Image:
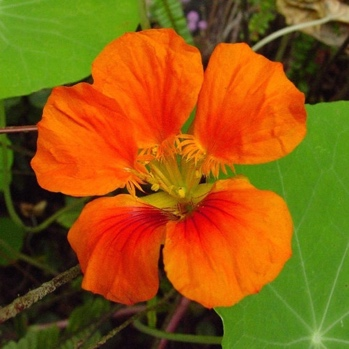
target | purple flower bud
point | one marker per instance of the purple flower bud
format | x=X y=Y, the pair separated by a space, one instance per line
x=193 y=16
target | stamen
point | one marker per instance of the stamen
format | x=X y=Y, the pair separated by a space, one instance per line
x=168 y=148
x=206 y=164
x=159 y=175
x=146 y=155
x=213 y=166
x=133 y=184
x=190 y=148
x=154 y=150
x=173 y=167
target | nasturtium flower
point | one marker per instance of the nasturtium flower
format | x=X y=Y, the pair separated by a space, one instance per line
x=220 y=239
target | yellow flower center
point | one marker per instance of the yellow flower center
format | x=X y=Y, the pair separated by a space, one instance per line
x=174 y=177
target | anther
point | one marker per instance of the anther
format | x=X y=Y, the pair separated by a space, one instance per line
x=155 y=187
x=154 y=150
x=181 y=192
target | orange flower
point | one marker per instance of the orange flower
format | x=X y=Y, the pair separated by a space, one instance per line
x=221 y=241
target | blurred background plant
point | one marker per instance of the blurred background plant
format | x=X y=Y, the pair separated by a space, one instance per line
x=34 y=222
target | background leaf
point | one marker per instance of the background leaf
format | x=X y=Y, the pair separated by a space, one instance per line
x=36 y=339
x=87 y=313
x=11 y=240
x=82 y=330
x=5 y=166
x=169 y=14
x=67 y=218
x=44 y=43
x=307 y=306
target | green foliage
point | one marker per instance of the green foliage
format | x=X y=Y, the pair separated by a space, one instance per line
x=82 y=327
x=36 y=339
x=307 y=306
x=301 y=67
x=85 y=314
x=52 y=42
x=67 y=218
x=6 y=160
x=81 y=331
x=83 y=340
x=264 y=12
x=11 y=240
x=44 y=45
x=169 y=14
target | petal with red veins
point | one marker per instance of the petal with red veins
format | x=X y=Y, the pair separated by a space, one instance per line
x=248 y=111
x=117 y=241
x=236 y=241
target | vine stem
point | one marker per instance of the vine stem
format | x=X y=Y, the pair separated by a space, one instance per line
x=177 y=337
x=290 y=29
x=5 y=164
x=13 y=255
x=133 y=319
x=33 y=296
x=55 y=215
x=175 y=319
x=6 y=189
x=15 y=129
x=118 y=314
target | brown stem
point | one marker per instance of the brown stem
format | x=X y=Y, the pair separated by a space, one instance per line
x=26 y=301
x=14 y=129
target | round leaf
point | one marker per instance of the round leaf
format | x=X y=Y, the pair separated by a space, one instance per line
x=307 y=306
x=44 y=43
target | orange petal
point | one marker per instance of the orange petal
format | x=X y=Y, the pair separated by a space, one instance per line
x=236 y=241
x=155 y=77
x=248 y=111
x=85 y=146
x=117 y=241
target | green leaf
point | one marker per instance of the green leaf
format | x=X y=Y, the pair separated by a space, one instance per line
x=36 y=339
x=67 y=218
x=6 y=160
x=11 y=240
x=307 y=306
x=82 y=329
x=85 y=339
x=259 y=22
x=44 y=43
x=87 y=313
x=169 y=14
